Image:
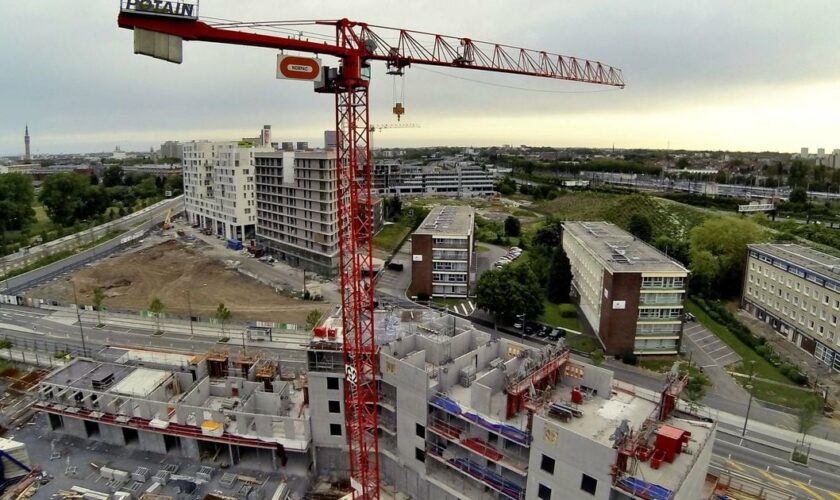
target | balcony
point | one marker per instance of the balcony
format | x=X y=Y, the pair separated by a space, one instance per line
x=456 y=434
x=508 y=488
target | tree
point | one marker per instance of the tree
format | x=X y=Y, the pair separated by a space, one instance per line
x=65 y=197
x=807 y=417
x=549 y=234
x=512 y=226
x=98 y=298
x=683 y=163
x=673 y=247
x=695 y=390
x=156 y=308
x=597 y=357
x=640 y=227
x=506 y=186
x=510 y=291
x=222 y=314
x=559 y=277
x=174 y=183
x=798 y=195
x=113 y=176
x=719 y=250
x=312 y=318
x=16 y=198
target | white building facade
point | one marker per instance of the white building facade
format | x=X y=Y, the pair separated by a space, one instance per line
x=796 y=290
x=219 y=187
x=297 y=208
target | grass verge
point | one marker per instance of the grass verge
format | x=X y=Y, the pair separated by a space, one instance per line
x=553 y=315
x=582 y=343
x=390 y=236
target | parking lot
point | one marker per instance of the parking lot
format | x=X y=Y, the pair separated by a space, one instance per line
x=706 y=341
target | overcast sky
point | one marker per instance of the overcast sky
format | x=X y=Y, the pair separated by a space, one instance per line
x=746 y=75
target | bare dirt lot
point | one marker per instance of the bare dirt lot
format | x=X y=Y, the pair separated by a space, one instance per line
x=167 y=271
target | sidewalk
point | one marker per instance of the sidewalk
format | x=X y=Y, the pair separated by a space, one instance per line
x=301 y=336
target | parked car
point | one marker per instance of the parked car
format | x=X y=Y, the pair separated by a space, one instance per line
x=689 y=317
x=557 y=333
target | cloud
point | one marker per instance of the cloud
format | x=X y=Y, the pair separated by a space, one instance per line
x=70 y=73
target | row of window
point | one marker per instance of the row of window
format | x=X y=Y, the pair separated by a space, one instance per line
x=663 y=282
x=806 y=290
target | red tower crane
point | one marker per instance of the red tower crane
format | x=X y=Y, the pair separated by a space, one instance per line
x=160 y=27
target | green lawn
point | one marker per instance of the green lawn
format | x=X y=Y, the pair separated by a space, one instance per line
x=790 y=396
x=583 y=343
x=552 y=315
x=447 y=302
x=390 y=236
x=662 y=365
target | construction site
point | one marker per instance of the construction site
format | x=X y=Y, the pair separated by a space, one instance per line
x=189 y=278
x=462 y=414
x=144 y=424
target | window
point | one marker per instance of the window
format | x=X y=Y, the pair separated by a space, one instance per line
x=332 y=383
x=334 y=406
x=588 y=484
x=544 y=492
x=547 y=464
x=420 y=454
x=335 y=429
x=420 y=430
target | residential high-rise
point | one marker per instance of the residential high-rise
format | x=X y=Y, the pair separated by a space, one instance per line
x=172 y=149
x=27 y=156
x=297 y=211
x=329 y=139
x=442 y=251
x=265 y=135
x=219 y=189
x=796 y=290
x=630 y=293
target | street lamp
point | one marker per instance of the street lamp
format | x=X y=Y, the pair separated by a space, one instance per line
x=79 y=318
x=749 y=388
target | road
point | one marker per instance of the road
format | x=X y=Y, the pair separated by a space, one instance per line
x=48 y=332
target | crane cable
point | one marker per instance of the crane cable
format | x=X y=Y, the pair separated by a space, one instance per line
x=513 y=87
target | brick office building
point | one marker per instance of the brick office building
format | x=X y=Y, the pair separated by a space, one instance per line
x=630 y=293
x=442 y=252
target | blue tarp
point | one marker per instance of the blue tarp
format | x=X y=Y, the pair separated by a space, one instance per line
x=644 y=489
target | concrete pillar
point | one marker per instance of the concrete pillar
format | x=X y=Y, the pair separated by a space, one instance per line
x=112 y=434
x=75 y=427
x=54 y=421
x=152 y=441
x=189 y=448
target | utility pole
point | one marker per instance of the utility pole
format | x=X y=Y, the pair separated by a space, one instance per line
x=189 y=311
x=79 y=318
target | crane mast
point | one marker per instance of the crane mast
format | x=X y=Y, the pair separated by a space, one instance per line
x=355 y=45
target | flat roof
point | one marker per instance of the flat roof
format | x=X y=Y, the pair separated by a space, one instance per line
x=141 y=382
x=620 y=251
x=802 y=256
x=448 y=220
x=601 y=417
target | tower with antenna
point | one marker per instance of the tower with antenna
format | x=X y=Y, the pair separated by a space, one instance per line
x=27 y=157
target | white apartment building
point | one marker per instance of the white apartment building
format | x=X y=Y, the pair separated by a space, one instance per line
x=446 y=179
x=219 y=188
x=297 y=209
x=796 y=290
x=630 y=293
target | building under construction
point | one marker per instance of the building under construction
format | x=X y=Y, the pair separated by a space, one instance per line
x=464 y=415
x=236 y=407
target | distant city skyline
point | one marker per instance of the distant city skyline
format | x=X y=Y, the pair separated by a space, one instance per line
x=750 y=76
